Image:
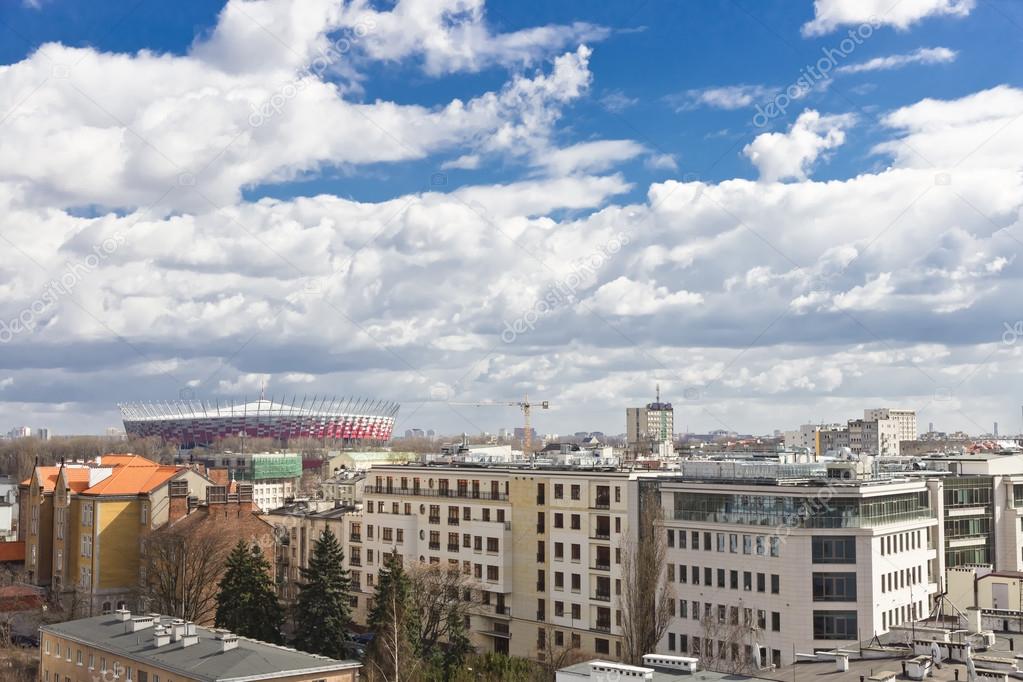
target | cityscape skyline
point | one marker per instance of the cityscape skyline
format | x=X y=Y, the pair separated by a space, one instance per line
x=794 y=210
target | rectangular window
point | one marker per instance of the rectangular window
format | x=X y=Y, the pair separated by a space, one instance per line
x=575 y=492
x=775 y=583
x=834 y=587
x=721 y=542
x=721 y=577
x=833 y=550
x=761 y=582
x=747 y=544
x=834 y=625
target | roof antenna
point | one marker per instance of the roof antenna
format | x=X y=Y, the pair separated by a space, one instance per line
x=658 y=392
x=262 y=390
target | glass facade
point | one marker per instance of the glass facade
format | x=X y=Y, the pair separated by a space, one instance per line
x=965 y=492
x=819 y=511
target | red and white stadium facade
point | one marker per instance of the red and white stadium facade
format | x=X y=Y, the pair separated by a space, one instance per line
x=193 y=421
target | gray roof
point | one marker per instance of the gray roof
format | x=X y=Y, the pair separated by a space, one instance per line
x=671 y=675
x=203 y=661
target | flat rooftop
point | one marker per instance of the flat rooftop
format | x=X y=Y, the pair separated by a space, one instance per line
x=825 y=671
x=251 y=660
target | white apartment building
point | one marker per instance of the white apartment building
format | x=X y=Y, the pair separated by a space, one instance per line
x=650 y=429
x=784 y=558
x=905 y=420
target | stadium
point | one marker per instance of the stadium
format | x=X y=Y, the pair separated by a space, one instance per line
x=192 y=422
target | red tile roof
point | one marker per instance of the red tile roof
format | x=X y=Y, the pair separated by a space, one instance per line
x=130 y=475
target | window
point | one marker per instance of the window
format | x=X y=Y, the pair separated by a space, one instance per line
x=576 y=522
x=671 y=537
x=775 y=621
x=145 y=513
x=721 y=577
x=682 y=539
x=559 y=550
x=492 y=545
x=733 y=543
x=833 y=550
x=559 y=520
x=492 y=573
x=575 y=492
x=683 y=574
x=760 y=545
x=775 y=545
x=604 y=647
x=834 y=587
x=733 y=579
x=559 y=491
x=834 y=625
x=761 y=582
x=747 y=544
x=576 y=552
x=575 y=582
x=747 y=581
x=559 y=580
x=721 y=542
x=86 y=514
x=775 y=583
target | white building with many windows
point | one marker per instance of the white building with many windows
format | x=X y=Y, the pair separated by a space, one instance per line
x=785 y=558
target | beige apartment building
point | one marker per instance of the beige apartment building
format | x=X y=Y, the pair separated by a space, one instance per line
x=543 y=546
x=155 y=648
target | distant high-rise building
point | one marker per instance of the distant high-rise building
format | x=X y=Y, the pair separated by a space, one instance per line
x=996 y=430
x=43 y=434
x=930 y=427
x=19 y=432
x=649 y=429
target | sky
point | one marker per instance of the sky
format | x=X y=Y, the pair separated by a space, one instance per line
x=779 y=211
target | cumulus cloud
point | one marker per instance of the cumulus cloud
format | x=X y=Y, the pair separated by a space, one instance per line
x=781 y=156
x=832 y=14
x=623 y=296
x=589 y=157
x=924 y=55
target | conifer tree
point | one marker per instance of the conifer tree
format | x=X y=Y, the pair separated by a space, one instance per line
x=322 y=611
x=247 y=602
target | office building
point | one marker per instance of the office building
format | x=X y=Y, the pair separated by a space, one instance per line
x=274 y=476
x=649 y=430
x=155 y=648
x=797 y=557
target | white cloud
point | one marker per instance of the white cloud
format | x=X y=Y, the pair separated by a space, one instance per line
x=627 y=297
x=723 y=97
x=251 y=383
x=868 y=296
x=831 y=14
x=781 y=156
x=589 y=157
x=464 y=162
x=617 y=101
x=5 y=382
x=185 y=132
x=661 y=162
x=924 y=55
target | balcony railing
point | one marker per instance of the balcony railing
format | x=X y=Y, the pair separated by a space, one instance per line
x=452 y=520
x=434 y=519
x=355 y=537
x=601 y=503
x=597 y=566
x=602 y=627
x=435 y=492
x=453 y=548
x=434 y=545
x=601 y=534
x=602 y=596
x=354 y=561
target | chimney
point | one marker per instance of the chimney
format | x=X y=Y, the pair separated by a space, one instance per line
x=177 y=629
x=179 y=506
x=122 y=615
x=138 y=623
x=228 y=640
x=188 y=640
x=161 y=637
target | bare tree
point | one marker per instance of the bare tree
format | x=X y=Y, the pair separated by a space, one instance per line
x=724 y=641
x=647 y=596
x=552 y=656
x=442 y=596
x=183 y=566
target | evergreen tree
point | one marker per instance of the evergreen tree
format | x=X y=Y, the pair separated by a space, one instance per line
x=247 y=602
x=323 y=608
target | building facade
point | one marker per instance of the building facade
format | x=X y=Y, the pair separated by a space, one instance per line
x=84 y=525
x=905 y=420
x=790 y=561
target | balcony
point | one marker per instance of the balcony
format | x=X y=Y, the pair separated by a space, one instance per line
x=602 y=503
x=355 y=537
x=435 y=492
x=434 y=519
x=354 y=561
x=601 y=534
x=435 y=545
x=602 y=626
x=602 y=596
x=597 y=566
x=453 y=548
x=452 y=520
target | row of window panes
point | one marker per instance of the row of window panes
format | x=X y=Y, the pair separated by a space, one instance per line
x=716 y=578
x=761 y=542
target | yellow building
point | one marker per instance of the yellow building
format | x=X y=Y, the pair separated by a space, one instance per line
x=86 y=522
x=154 y=648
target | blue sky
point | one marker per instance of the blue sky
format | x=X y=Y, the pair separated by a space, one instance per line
x=436 y=181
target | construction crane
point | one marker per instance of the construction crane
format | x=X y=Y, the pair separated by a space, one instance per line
x=525 y=406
